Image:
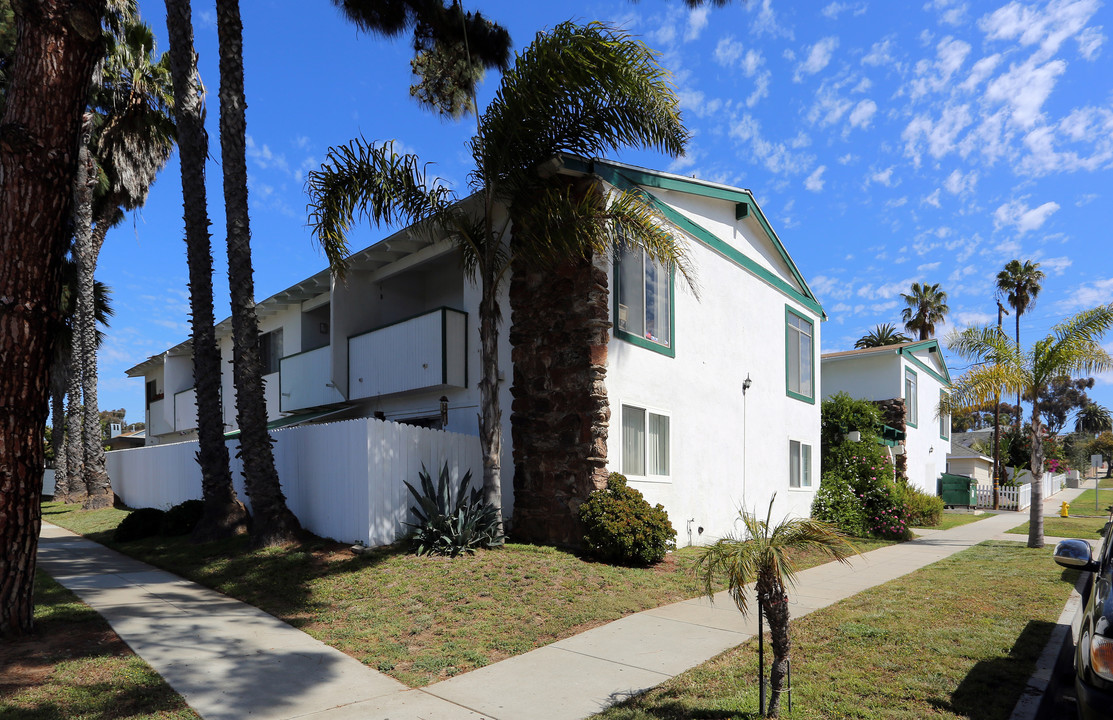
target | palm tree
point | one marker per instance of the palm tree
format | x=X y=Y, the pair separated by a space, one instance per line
x=1093 y=418
x=1020 y=284
x=926 y=306
x=586 y=71
x=1073 y=348
x=764 y=557
x=880 y=336
x=274 y=523
x=224 y=514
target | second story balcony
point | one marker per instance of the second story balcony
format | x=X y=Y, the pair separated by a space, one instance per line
x=185 y=410
x=420 y=353
x=306 y=380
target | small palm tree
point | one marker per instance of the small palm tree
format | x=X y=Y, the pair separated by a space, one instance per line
x=926 y=307
x=764 y=557
x=1073 y=348
x=880 y=336
x=1093 y=418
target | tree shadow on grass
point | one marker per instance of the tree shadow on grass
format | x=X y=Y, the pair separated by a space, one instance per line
x=992 y=687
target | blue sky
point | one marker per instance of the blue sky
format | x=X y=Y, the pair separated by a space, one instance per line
x=887 y=143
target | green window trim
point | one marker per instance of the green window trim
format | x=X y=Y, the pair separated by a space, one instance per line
x=790 y=313
x=634 y=339
x=911 y=410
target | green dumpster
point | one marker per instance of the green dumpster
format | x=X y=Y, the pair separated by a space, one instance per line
x=958 y=490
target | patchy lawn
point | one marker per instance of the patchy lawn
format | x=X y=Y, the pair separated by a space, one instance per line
x=953 y=519
x=74 y=666
x=1087 y=527
x=956 y=639
x=419 y=619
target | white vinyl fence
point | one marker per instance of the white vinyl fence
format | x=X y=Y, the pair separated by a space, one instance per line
x=343 y=480
x=1019 y=497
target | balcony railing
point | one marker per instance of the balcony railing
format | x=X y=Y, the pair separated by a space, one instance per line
x=305 y=380
x=420 y=353
x=185 y=410
x=157 y=418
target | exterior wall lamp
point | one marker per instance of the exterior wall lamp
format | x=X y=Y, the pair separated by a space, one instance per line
x=444 y=412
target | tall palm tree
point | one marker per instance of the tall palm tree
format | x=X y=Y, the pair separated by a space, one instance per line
x=881 y=335
x=926 y=307
x=224 y=514
x=763 y=556
x=585 y=71
x=1073 y=348
x=1093 y=418
x=274 y=523
x=1020 y=285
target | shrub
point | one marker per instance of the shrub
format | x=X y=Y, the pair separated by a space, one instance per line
x=924 y=510
x=837 y=504
x=139 y=524
x=182 y=518
x=452 y=523
x=622 y=527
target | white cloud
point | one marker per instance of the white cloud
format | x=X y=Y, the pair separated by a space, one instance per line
x=898 y=202
x=1019 y=215
x=1055 y=265
x=778 y=157
x=1048 y=27
x=1025 y=88
x=766 y=21
x=884 y=177
x=265 y=158
x=928 y=267
x=1088 y=295
x=936 y=76
x=819 y=56
x=970 y=318
x=830 y=287
x=880 y=54
x=862 y=114
x=833 y=10
x=1086 y=199
x=958 y=183
x=814 y=182
x=728 y=51
x=981 y=70
x=932 y=199
x=941 y=135
x=1090 y=41
x=697 y=21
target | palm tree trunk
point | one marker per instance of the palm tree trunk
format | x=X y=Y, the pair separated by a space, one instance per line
x=274 y=523
x=58 y=430
x=57 y=47
x=490 y=418
x=224 y=514
x=771 y=594
x=1035 y=514
x=74 y=479
x=98 y=487
x=1019 y=413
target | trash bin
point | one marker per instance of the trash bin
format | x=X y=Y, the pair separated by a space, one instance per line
x=958 y=490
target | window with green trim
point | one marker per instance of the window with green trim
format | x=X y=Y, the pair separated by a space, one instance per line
x=944 y=418
x=911 y=398
x=799 y=356
x=643 y=310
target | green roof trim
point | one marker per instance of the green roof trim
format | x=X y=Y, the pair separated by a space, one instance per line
x=907 y=351
x=286 y=422
x=621 y=180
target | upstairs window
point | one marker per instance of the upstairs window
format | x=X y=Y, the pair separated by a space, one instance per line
x=799 y=356
x=643 y=305
x=645 y=442
x=911 y=398
x=944 y=418
x=270 y=351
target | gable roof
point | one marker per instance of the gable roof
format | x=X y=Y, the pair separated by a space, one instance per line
x=906 y=350
x=634 y=178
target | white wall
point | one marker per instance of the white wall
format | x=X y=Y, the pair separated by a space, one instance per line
x=926 y=452
x=865 y=377
x=727 y=452
x=975 y=468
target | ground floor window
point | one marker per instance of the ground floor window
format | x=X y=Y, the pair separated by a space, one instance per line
x=799 y=465
x=645 y=442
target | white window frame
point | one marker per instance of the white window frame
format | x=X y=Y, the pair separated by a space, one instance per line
x=647 y=410
x=911 y=398
x=800 y=445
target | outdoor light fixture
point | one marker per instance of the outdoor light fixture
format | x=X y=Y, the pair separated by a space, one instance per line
x=746 y=383
x=854 y=436
x=444 y=411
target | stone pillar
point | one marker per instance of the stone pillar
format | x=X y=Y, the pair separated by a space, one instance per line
x=559 y=419
x=892 y=414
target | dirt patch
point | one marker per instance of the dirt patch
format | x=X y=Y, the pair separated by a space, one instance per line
x=30 y=661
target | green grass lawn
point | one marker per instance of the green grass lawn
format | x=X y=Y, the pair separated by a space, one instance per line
x=74 y=666
x=954 y=519
x=419 y=619
x=957 y=639
x=1088 y=528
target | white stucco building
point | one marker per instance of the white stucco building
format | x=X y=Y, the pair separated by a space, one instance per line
x=713 y=399
x=914 y=372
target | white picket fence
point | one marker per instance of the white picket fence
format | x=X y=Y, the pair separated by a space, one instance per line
x=1020 y=497
x=343 y=480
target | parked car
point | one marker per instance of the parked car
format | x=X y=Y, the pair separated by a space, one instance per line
x=1093 y=655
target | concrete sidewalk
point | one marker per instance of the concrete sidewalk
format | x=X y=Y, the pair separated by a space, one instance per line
x=231 y=660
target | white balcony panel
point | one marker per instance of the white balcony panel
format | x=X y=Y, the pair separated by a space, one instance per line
x=159 y=417
x=306 y=380
x=424 y=352
x=185 y=410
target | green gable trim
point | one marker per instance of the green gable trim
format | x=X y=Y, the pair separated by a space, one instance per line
x=666 y=350
x=945 y=378
x=707 y=238
x=649 y=179
x=920 y=364
x=789 y=312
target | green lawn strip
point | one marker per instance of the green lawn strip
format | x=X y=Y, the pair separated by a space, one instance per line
x=1088 y=528
x=954 y=519
x=419 y=619
x=74 y=666
x=956 y=639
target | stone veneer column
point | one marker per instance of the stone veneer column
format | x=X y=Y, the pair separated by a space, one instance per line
x=559 y=330
x=893 y=415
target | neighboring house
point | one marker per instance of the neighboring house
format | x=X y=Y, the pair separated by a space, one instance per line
x=712 y=402
x=908 y=381
x=123 y=441
x=971 y=463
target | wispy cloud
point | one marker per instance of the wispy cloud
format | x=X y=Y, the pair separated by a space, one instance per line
x=1016 y=213
x=818 y=57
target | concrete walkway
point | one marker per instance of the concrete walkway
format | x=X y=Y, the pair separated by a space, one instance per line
x=231 y=660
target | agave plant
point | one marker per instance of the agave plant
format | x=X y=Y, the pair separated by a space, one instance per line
x=451 y=523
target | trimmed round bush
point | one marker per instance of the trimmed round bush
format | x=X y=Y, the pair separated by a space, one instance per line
x=622 y=528
x=182 y=518
x=141 y=523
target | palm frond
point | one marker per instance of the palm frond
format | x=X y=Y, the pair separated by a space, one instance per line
x=376 y=184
